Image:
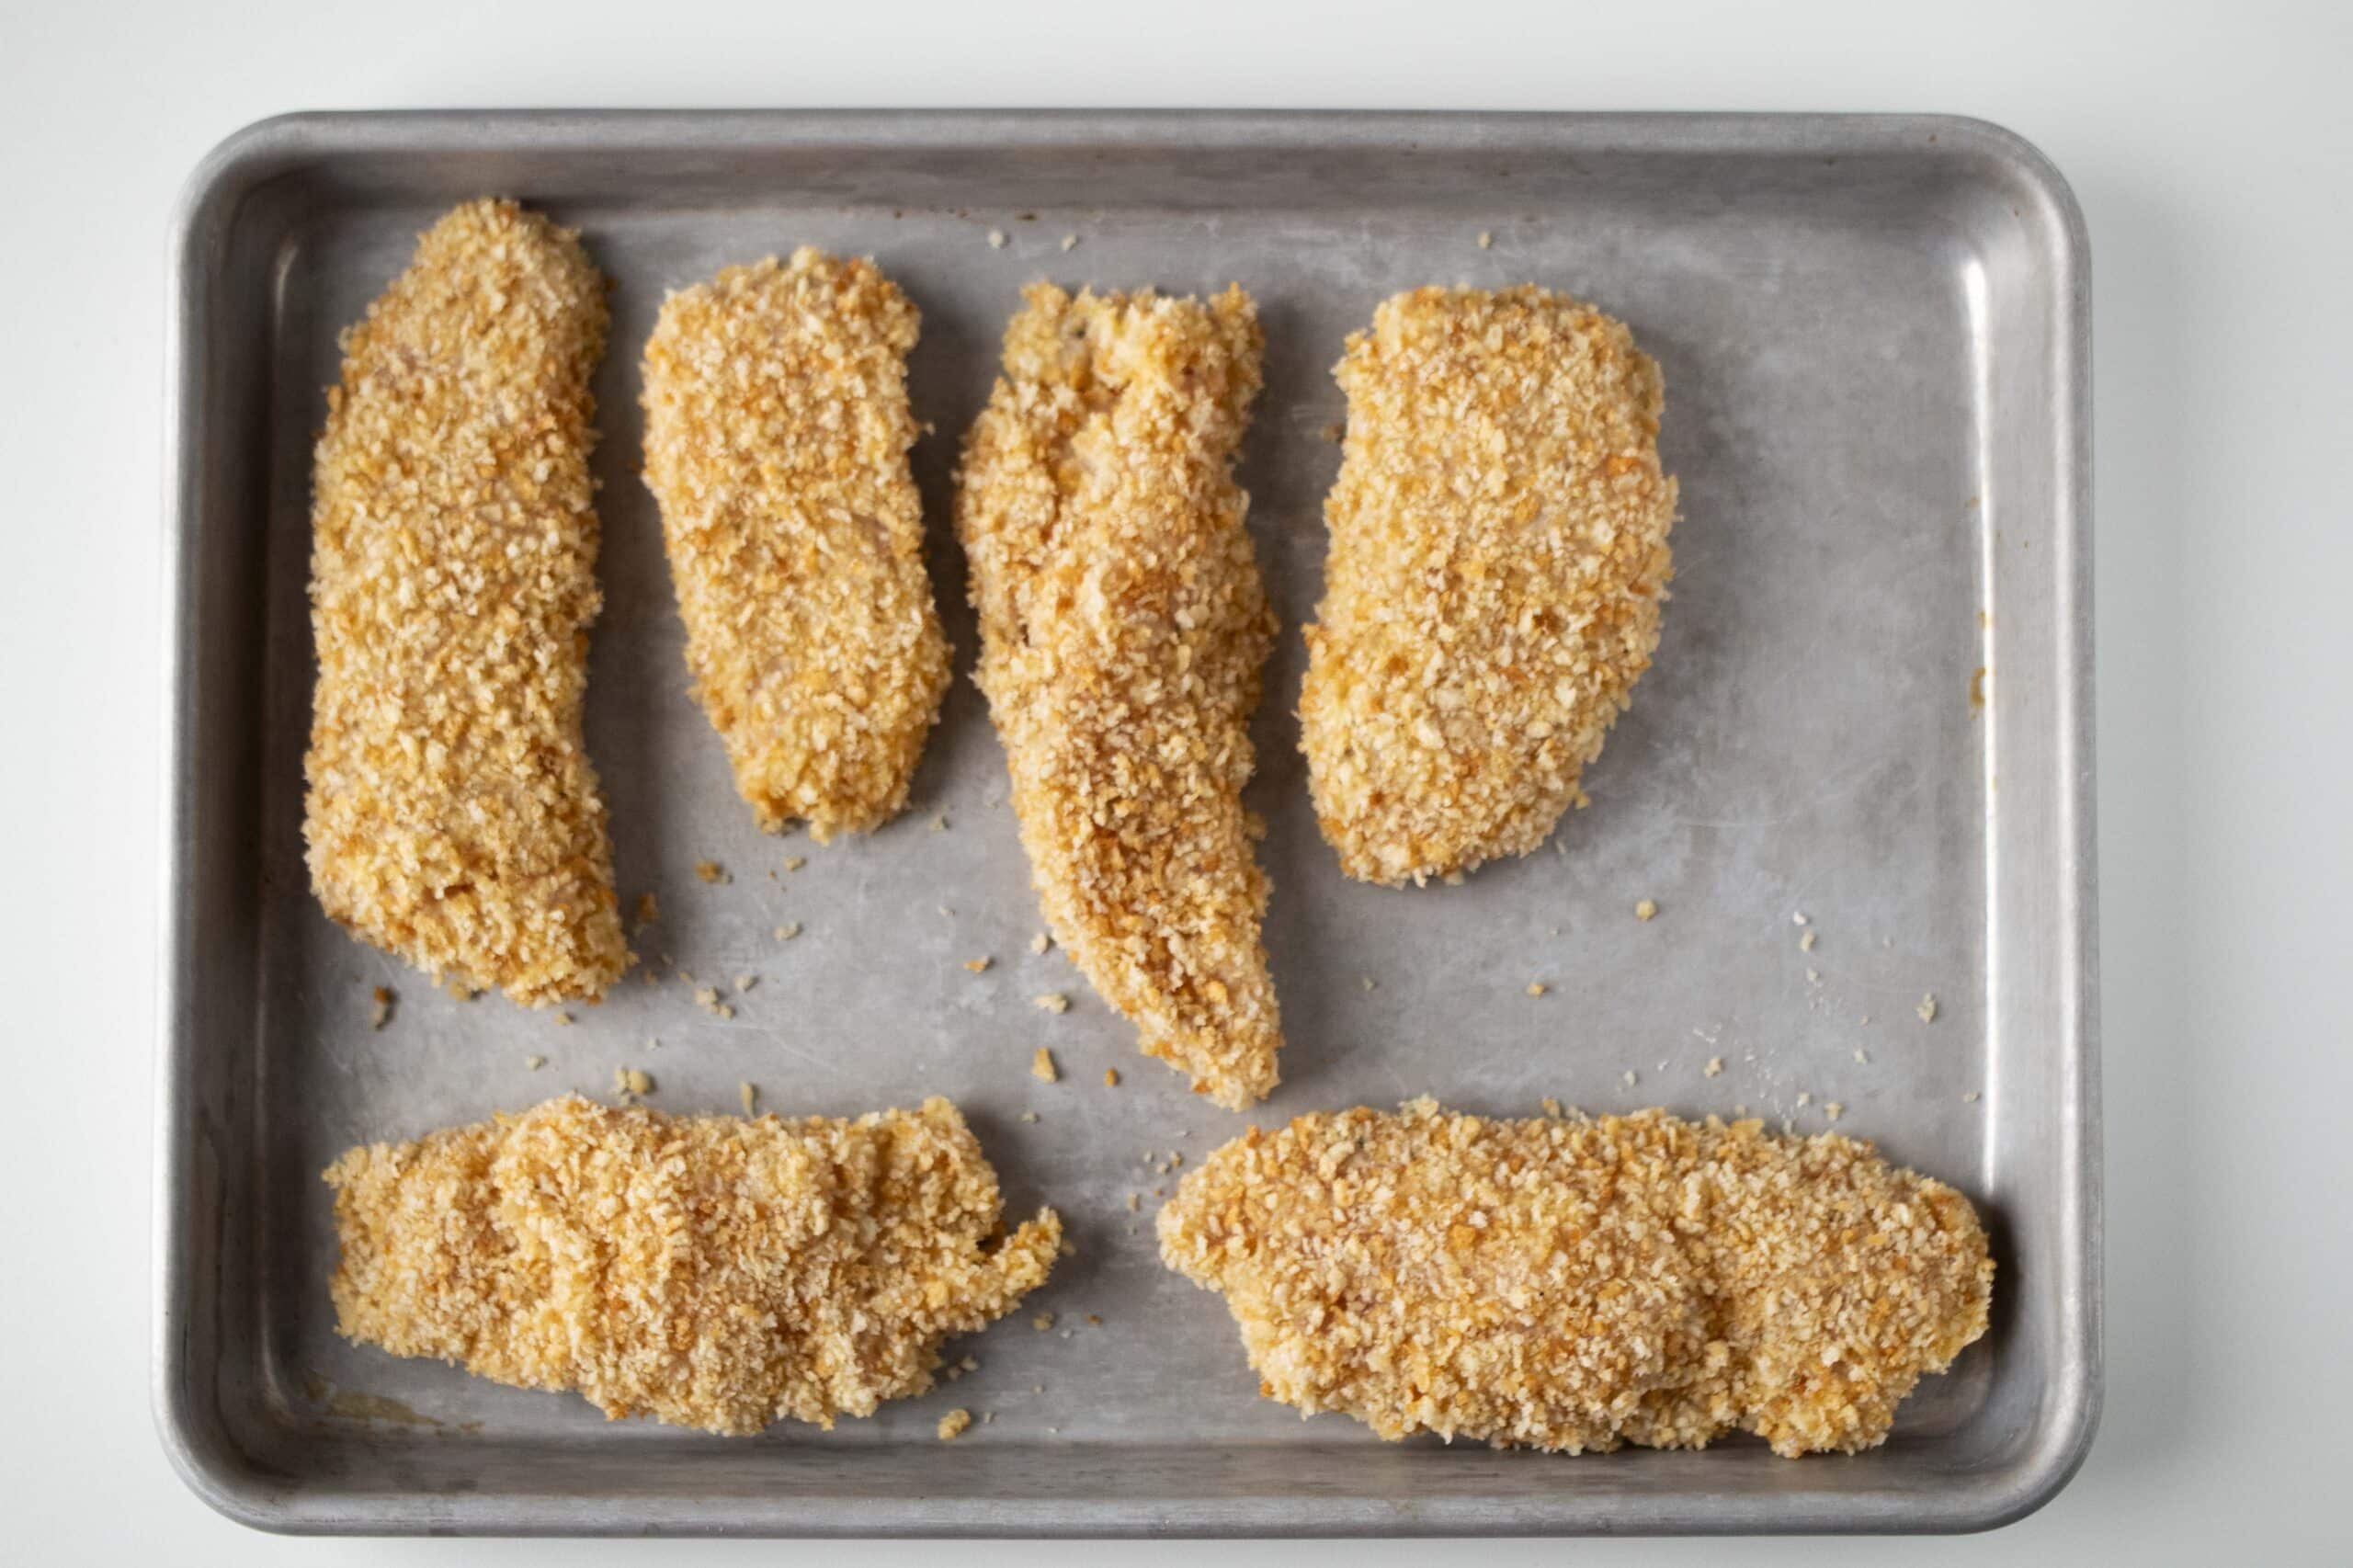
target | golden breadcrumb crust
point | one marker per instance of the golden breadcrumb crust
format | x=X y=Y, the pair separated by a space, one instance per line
x=777 y=432
x=1575 y=1285
x=1498 y=553
x=453 y=816
x=708 y=1271
x=1122 y=630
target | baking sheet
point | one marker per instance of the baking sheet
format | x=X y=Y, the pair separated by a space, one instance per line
x=1869 y=708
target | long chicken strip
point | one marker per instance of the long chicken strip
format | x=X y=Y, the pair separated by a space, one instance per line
x=1575 y=1285
x=777 y=432
x=1122 y=632
x=453 y=816
x=708 y=1271
x=1498 y=553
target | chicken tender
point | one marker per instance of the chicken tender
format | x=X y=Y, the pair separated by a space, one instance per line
x=777 y=432
x=452 y=817
x=1122 y=630
x=708 y=1271
x=1498 y=553
x=1575 y=1285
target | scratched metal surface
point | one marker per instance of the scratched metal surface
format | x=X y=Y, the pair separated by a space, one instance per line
x=1870 y=332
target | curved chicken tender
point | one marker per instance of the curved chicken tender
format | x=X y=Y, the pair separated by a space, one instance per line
x=1122 y=632
x=1492 y=591
x=776 y=433
x=1575 y=1285
x=708 y=1271
x=453 y=816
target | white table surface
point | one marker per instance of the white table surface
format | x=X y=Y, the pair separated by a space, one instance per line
x=2209 y=145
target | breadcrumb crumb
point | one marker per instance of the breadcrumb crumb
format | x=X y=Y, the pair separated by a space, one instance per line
x=379 y=1007
x=794 y=862
x=749 y=1094
x=1041 y=1066
x=1714 y=1068
x=1805 y=943
x=777 y=432
x=1927 y=1009
x=452 y=816
x=1041 y=942
x=1498 y=554
x=631 y=1081
x=1576 y=1286
x=649 y=909
x=954 y=1424
x=711 y=871
x=1646 y=909
x=979 y=965
x=1053 y=1002
x=1123 y=629
x=533 y=1063
x=1110 y=1077
x=1536 y=988
x=789 y=930
x=708 y=1271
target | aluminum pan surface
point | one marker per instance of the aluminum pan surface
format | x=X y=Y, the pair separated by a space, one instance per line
x=1871 y=332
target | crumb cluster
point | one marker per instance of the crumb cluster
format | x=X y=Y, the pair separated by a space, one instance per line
x=1577 y=1285
x=1498 y=554
x=777 y=432
x=452 y=816
x=708 y=1271
x=1123 y=626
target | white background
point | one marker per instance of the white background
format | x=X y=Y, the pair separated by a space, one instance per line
x=2210 y=146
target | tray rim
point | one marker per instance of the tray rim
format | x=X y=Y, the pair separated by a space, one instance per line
x=248 y=157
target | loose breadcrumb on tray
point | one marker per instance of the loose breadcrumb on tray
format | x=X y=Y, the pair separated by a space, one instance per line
x=1498 y=553
x=777 y=432
x=1123 y=629
x=708 y=1271
x=452 y=816
x=1580 y=1285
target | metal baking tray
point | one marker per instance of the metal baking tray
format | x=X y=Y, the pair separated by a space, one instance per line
x=1872 y=707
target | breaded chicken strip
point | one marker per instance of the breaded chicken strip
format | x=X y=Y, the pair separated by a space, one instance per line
x=777 y=432
x=1492 y=591
x=1575 y=1285
x=1122 y=630
x=708 y=1271
x=452 y=817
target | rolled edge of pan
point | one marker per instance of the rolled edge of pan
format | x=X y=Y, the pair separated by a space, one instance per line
x=452 y=817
